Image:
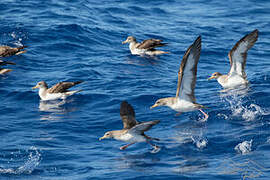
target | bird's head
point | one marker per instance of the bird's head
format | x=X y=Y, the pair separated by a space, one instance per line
x=163 y=102
x=129 y=40
x=215 y=75
x=41 y=84
x=107 y=135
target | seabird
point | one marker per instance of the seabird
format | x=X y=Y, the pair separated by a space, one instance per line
x=147 y=47
x=2 y=70
x=238 y=57
x=6 y=51
x=58 y=91
x=133 y=131
x=185 y=101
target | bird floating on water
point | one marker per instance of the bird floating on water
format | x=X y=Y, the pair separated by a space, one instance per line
x=238 y=57
x=147 y=47
x=58 y=91
x=133 y=131
x=185 y=101
x=6 y=51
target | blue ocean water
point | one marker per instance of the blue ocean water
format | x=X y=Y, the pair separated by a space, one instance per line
x=81 y=40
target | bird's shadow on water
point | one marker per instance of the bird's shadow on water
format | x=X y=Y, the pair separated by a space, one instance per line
x=142 y=60
x=138 y=162
x=52 y=110
x=242 y=104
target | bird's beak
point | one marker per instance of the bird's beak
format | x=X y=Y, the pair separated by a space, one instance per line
x=35 y=87
x=155 y=105
x=124 y=42
x=101 y=138
x=212 y=77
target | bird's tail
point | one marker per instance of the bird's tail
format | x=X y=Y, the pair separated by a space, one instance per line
x=22 y=47
x=77 y=82
x=199 y=106
x=151 y=138
x=158 y=52
x=69 y=93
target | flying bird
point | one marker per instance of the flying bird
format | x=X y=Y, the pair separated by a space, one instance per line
x=58 y=91
x=147 y=47
x=238 y=57
x=133 y=131
x=185 y=101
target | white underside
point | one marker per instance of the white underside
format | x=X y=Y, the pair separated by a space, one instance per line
x=131 y=138
x=51 y=96
x=233 y=81
x=136 y=51
x=183 y=106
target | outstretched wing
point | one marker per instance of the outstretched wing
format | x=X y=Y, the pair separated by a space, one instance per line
x=238 y=54
x=127 y=114
x=62 y=87
x=188 y=71
x=151 y=44
x=144 y=126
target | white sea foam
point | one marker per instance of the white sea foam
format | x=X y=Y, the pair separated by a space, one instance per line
x=244 y=147
x=32 y=162
x=247 y=112
x=200 y=142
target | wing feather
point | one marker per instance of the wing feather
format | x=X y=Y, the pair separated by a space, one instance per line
x=62 y=87
x=151 y=44
x=127 y=114
x=188 y=71
x=144 y=126
x=238 y=54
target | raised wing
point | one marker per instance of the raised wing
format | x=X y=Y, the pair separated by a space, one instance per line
x=238 y=54
x=188 y=71
x=62 y=87
x=127 y=114
x=144 y=126
x=151 y=44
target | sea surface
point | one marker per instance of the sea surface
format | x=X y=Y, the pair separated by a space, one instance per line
x=81 y=40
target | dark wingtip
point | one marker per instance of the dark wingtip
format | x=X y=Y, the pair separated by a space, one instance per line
x=126 y=109
x=77 y=82
x=199 y=38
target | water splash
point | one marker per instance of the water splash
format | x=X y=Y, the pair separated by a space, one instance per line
x=244 y=147
x=200 y=142
x=32 y=162
x=247 y=112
